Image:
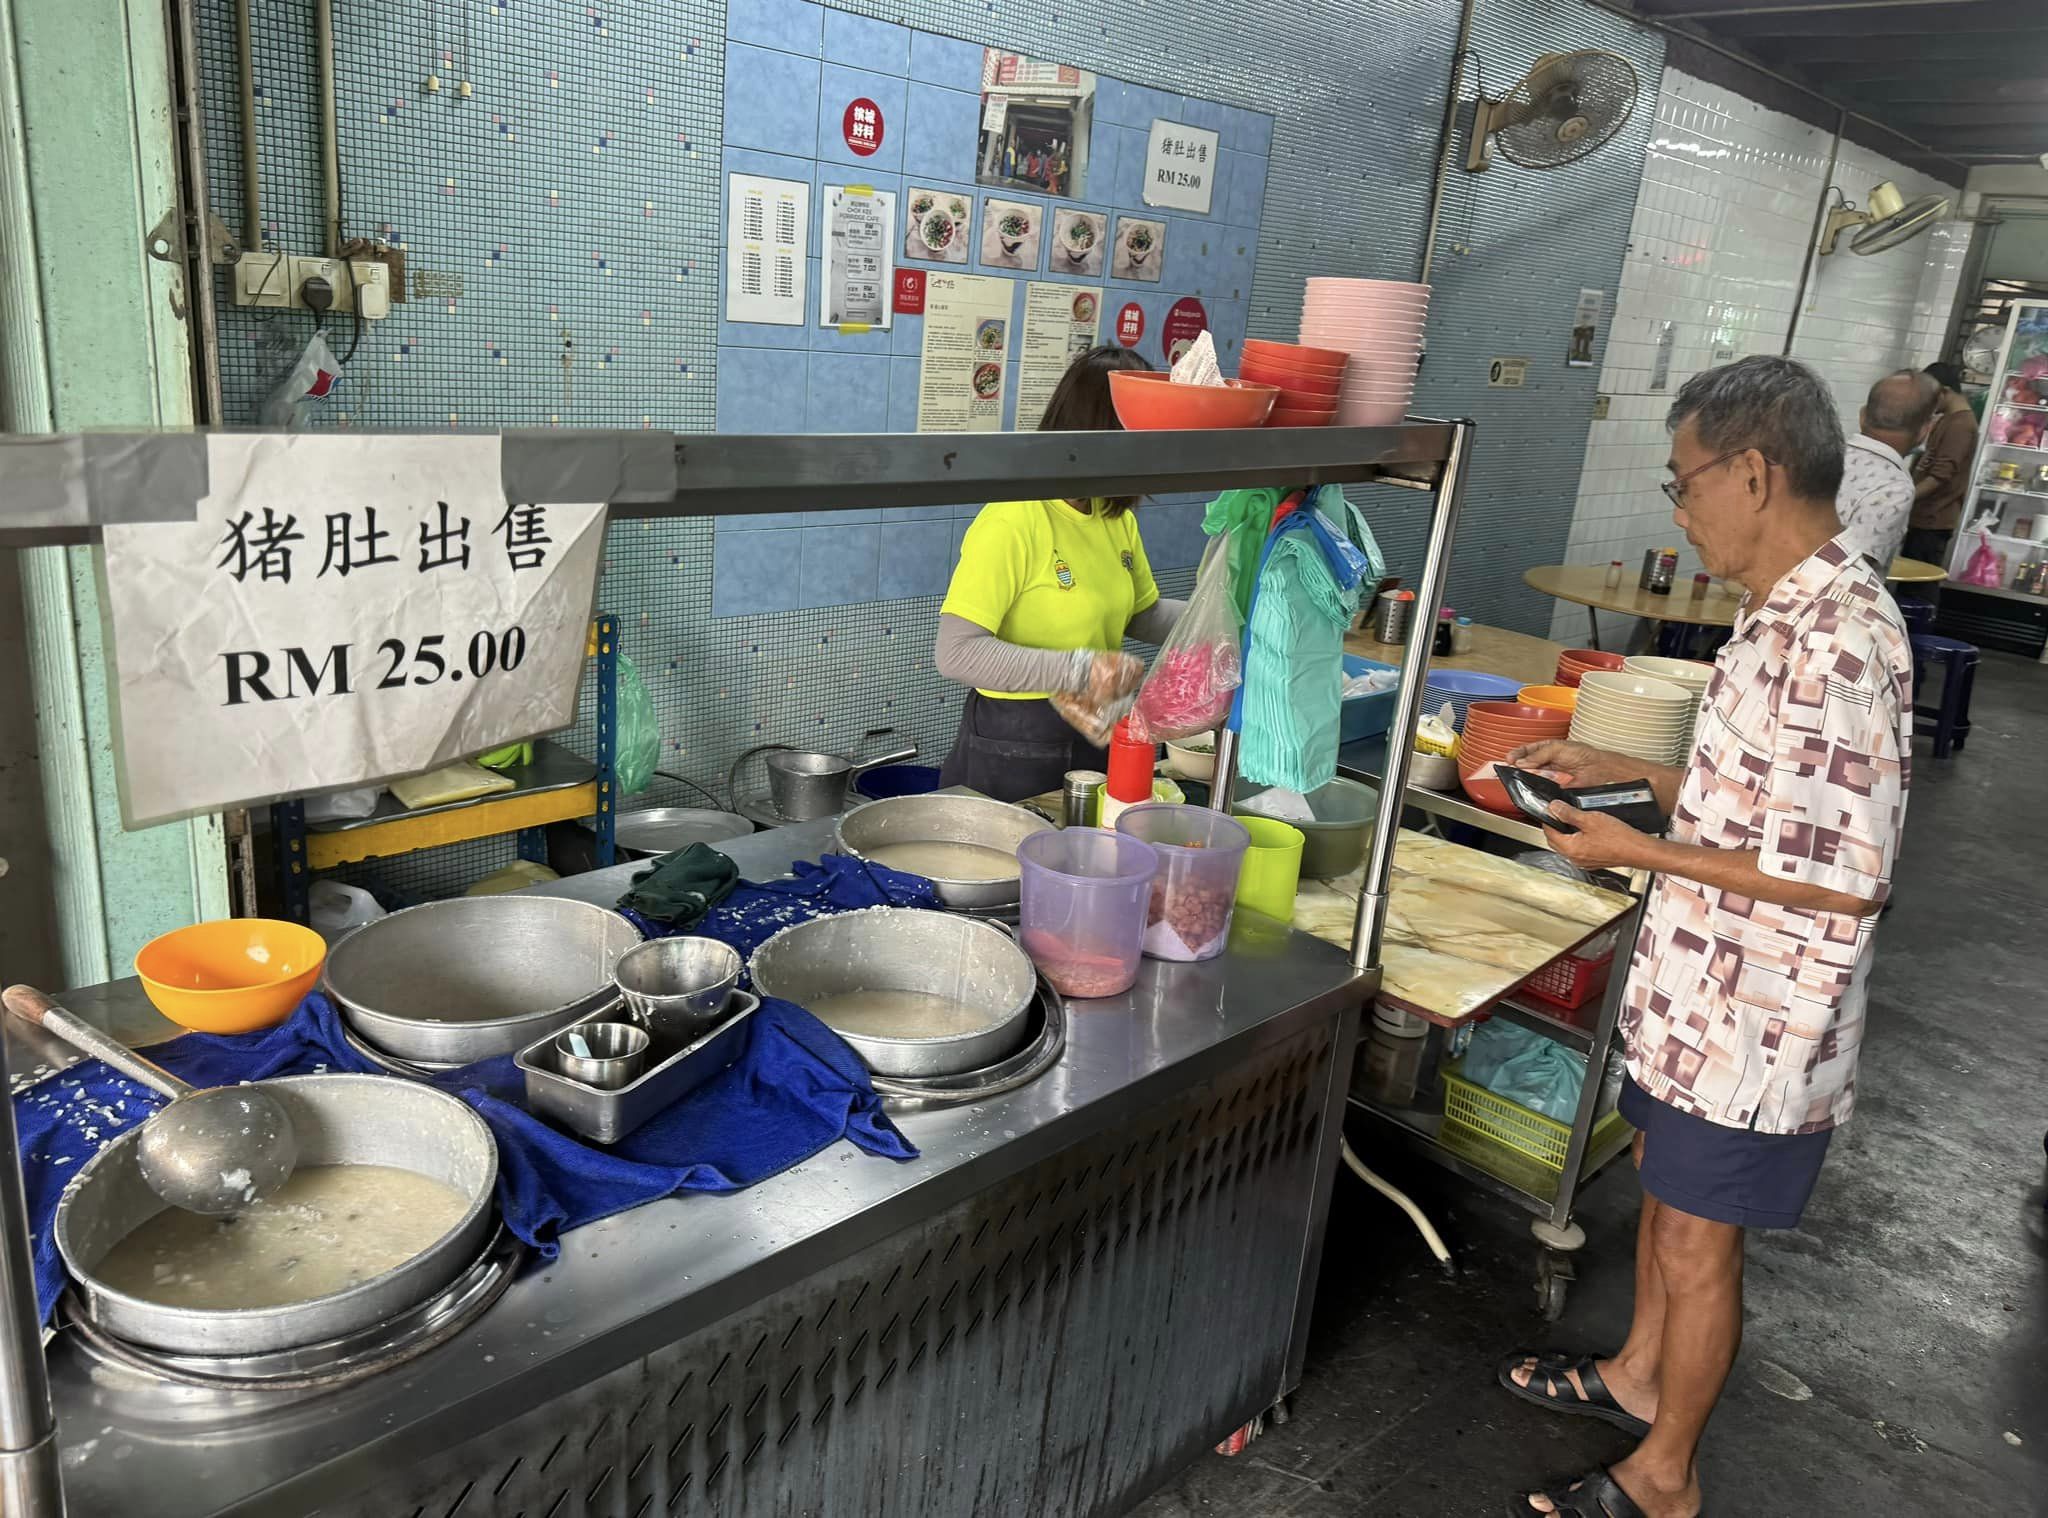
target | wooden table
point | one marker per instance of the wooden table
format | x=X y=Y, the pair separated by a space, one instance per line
x=1586 y=585
x=1463 y=928
x=1494 y=651
x=1916 y=572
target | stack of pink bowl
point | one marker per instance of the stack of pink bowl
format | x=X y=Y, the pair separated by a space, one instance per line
x=1378 y=322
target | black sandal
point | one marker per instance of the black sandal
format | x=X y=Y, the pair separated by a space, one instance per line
x=1594 y=1495
x=1555 y=1369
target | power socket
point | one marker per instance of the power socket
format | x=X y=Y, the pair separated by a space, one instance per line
x=275 y=281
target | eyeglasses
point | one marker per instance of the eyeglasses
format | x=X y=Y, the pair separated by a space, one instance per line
x=1674 y=490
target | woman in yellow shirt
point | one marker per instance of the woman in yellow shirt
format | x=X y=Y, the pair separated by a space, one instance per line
x=1044 y=595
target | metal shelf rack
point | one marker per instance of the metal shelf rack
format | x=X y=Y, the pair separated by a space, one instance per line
x=556 y=787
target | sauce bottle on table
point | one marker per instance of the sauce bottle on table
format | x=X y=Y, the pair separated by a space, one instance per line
x=1130 y=774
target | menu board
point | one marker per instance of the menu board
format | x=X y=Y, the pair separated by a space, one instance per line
x=1060 y=321
x=767 y=231
x=860 y=257
x=966 y=349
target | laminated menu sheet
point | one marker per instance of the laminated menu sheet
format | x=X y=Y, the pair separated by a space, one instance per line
x=963 y=368
x=860 y=262
x=767 y=238
x=1060 y=322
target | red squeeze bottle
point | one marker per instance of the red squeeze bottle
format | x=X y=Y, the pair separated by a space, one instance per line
x=1130 y=773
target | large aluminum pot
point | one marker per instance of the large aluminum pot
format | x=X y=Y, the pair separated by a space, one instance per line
x=455 y=981
x=975 y=963
x=339 y=1120
x=944 y=819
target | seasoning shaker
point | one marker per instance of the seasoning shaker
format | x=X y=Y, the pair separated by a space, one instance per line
x=1699 y=586
x=1461 y=634
x=1614 y=574
x=1446 y=620
x=1079 y=795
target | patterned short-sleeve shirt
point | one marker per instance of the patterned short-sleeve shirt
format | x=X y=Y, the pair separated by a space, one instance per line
x=1745 y=1013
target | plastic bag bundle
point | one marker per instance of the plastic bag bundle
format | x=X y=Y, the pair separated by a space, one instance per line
x=1198 y=668
x=1292 y=703
x=639 y=747
x=1093 y=720
x=1526 y=1067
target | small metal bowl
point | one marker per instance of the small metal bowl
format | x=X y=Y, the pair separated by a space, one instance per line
x=618 y=1053
x=678 y=987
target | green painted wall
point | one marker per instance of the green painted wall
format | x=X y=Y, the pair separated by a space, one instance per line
x=97 y=339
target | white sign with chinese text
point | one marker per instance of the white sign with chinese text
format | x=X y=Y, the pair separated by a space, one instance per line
x=343 y=609
x=1180 y=167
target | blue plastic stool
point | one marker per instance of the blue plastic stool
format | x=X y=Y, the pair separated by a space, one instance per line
x=1919 y=616
x=1948 y=723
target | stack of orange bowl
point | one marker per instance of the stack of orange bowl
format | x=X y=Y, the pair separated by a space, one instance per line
x=1573 y=664
x=1563 y=697
x=1378 y=323
x=1493 y=731
x=1309 y=379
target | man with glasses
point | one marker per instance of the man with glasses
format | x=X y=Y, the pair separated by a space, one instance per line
x=1743 y=1009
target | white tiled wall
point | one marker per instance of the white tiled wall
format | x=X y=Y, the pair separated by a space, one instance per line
x=1722 y=225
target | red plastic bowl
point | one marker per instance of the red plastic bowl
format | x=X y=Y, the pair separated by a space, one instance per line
x=1283 y=417
x=1153 y=403
x=1302 y=381
x=1297 y=354
x=1490 y=794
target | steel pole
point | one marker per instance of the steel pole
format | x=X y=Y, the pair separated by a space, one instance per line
x=31 y=1484
x=1429 y=596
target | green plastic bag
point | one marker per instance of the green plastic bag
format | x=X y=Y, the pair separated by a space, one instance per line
x=1294 y=670
x=639 y=735
x=1246 y=516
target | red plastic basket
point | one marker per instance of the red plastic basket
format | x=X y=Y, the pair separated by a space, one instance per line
x=1569 y=983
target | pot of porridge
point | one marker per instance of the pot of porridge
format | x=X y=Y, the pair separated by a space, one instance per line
x=914 y=993
x=390 y=1201
x=965 y=845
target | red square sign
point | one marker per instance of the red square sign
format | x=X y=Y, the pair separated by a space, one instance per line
x=910 y=292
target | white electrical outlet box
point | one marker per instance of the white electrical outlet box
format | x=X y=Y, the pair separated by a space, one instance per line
x=265 y=279
x=277 y=281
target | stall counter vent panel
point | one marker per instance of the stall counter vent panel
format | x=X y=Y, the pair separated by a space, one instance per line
x=1055 y=1346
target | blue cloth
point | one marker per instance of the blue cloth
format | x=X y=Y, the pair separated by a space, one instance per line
x=794 y=1089
x=753 y=914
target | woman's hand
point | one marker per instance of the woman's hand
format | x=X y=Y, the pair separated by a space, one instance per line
x=1112 y=675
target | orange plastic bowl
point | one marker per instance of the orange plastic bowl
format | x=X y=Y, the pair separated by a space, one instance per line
x=1301 y=381
x=1153 y=403
x=231 y=976
x=1284 y=416
x=1297 y=354
x=1564 y=697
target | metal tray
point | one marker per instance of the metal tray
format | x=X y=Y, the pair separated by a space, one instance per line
x=608 y=1116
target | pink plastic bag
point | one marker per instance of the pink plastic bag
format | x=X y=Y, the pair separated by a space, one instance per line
x=1986 y=566
x=1191 y=683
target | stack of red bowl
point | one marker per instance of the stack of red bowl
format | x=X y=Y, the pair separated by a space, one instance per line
x=1309 y=379
x=1494 y=730
x=1574 y=664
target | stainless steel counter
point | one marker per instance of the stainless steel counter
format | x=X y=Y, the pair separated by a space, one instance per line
x=1278 y=1009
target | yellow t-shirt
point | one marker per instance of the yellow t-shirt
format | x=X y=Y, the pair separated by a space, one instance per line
x=1043 y=575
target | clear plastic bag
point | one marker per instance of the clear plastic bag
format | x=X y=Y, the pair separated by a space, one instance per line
x=639 y=732
x=1198 y=669
x=1093 y=720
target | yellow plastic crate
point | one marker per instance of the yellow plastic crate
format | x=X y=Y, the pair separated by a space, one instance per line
x=1495 y=1122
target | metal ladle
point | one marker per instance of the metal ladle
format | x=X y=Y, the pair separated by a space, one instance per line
x=212 y=1152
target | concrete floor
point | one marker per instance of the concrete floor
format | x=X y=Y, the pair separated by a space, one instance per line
x=1896 y=1357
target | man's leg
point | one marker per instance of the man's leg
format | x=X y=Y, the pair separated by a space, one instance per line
x=1700 y=1268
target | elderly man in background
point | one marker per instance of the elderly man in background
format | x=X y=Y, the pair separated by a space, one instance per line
x=1877 y=489
x=1941 y=475
x=1743 y=1009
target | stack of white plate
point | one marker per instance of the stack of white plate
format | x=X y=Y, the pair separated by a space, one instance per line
x=1633 y=714
x=1690 y=674
x=1378 y=322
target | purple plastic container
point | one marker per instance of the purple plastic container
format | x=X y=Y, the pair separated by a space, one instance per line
x=1081 y=911
x=1200 y=853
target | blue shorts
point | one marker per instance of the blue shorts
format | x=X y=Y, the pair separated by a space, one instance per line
x=1726 y=1175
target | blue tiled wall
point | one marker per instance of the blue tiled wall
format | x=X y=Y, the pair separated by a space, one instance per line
x=588 y=195
x=791 y=68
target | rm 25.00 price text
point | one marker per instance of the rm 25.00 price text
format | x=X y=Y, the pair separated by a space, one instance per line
x=291 y=674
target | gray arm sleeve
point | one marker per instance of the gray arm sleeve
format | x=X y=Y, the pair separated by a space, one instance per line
x=975 y=656
x=1153 y=623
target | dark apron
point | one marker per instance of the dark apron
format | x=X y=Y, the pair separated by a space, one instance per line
x=1013 y=750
